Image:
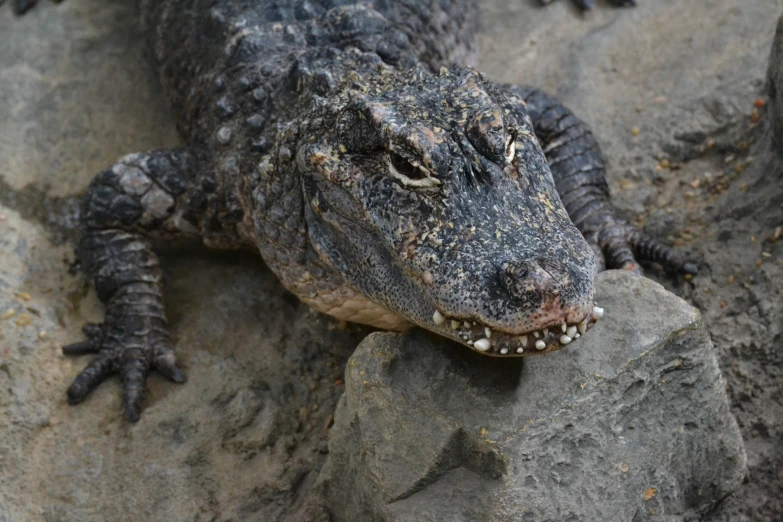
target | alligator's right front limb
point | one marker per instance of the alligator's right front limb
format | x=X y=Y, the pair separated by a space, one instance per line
x=140 y=197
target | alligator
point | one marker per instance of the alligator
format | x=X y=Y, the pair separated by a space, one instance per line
x=382 y=180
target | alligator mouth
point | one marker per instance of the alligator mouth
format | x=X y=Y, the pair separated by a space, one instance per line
x=496 y=343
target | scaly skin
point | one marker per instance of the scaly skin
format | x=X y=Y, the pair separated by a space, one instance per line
x=378 y=185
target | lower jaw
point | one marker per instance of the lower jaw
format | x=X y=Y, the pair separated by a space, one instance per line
x=500 y=344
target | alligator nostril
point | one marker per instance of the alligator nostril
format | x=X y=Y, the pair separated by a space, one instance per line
x=518 y=270
x=520 y=279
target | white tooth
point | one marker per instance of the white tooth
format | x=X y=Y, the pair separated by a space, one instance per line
x=438 y=318
x=470 y=343
x=487 y=332
x=482 y=345
x=564 y=339
x=546 y=332
x=577 y=335
x=582 y=326
x=523 y=340
x=535 y=334
x=540 y=345
x=563 y=327
x=520 y=350
x=454 y=325
x=474 y=323
x=571 y=331
x=598 y=312
x=504 y=351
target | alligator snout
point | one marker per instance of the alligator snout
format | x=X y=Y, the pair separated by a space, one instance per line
x=552 y=291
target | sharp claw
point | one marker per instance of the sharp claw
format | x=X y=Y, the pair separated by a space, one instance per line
x=166 y=365
x=178 y=376
x=172 y=373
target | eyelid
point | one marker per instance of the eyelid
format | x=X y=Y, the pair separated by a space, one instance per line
x=427 y=182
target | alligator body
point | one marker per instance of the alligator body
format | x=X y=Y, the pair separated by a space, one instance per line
x=380 y=179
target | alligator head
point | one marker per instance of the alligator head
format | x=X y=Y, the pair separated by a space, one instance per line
x=432 y=196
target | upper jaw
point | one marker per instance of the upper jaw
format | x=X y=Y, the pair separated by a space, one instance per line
x=498 y=343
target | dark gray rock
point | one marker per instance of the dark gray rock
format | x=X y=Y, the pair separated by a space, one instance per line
x=775 y=88
x=630 y=421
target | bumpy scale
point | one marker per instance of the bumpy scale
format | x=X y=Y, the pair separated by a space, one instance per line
x=380 y=186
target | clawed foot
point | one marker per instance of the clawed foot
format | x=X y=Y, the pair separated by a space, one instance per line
x=618 y=245
x=132 y=355
x=589 y=4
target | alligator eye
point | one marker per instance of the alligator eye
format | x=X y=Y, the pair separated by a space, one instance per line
x=405 y=167
x=410 y=173
x=511 y=147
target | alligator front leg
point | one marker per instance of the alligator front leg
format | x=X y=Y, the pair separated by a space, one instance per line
x=589 y=4
x=142 y=196
x=579 y=173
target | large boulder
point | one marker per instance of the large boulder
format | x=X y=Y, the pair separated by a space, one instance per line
x=630 y=421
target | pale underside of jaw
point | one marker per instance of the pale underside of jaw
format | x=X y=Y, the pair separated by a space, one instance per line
x=497 y=343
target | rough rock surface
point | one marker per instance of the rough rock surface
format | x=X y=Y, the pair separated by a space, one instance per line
x=630 y=422
x=243 y=440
